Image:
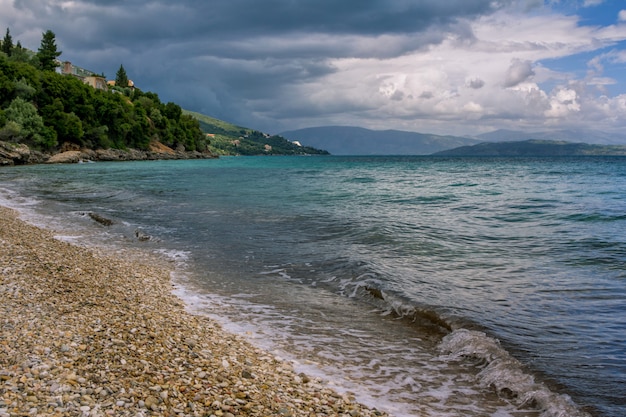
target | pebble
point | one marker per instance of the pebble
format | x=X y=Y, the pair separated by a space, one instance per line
x=83 y=332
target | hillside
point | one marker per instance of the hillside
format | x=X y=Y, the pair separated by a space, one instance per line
x=347 y=140
x=46 y=110
x=534 y=147
x=576 y=136
x=228 y=139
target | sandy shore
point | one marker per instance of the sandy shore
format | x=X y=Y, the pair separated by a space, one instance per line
x=85 y=334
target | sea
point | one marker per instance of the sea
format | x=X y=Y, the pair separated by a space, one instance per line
x=422 y=285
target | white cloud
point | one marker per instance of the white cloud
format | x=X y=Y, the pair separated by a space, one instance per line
x=459 y=81
x=472 y=107
x=596 y=66
x=621 y=16
x=563 y=102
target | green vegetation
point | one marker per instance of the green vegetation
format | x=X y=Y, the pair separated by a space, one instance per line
x=7 y=43
x=228 y=139
x=44 y=109
x=121 y=79
x=48 y=54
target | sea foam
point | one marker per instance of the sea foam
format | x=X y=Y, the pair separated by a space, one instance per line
x=502 y=372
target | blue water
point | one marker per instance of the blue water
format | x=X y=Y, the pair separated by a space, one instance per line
x=426 y=286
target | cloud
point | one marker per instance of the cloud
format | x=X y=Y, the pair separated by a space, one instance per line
x=612 y=56
x=472 y=107
x=621 y=16
x=430 y=65
x=475 y=83
x=518 y=72
x=139 y=20
x=563 y=102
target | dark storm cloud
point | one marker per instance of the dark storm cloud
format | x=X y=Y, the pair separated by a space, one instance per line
x=227 y=57
x=364 y=17
x=157 y=22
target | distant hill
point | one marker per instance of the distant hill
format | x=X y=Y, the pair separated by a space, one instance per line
x=215 y=126
x=534 y=147
x=576 y=136
x=228 y=139
x=347 y=140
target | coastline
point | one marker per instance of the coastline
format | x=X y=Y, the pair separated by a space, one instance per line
x=20 y=154
x=86 y=333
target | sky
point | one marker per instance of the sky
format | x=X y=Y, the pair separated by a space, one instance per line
x=460 y=67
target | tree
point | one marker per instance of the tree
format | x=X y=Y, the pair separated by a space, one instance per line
x=20 y=54
x=68 y=126
x=48 y=53
x=29 y=124
x=7 y=43
x=172 y=111
x=23 y=89
x=11 y=132
x=121 y=79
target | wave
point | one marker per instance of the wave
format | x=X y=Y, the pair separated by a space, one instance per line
x=496 y=368
x=27 y=207
x=505 y=374
x=14 y=200
x=425 y=318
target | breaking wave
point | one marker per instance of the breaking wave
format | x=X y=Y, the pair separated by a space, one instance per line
x=505 y=374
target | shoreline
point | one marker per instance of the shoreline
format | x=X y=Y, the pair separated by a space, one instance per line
x=88 y=334
x=12 y=154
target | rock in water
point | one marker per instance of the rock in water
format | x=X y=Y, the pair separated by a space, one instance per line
x=141 y=236
x=102 y=220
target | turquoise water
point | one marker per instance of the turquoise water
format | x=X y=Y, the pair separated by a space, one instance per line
x=440 y=286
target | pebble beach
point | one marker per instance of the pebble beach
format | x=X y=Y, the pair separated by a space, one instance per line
x=86 y=333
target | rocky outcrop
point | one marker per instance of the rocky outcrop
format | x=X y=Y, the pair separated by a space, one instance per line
x=119 y=155
x=138 y=155
x=158 y=147
x=68 y=157
x=20 y=154
x=14 y=153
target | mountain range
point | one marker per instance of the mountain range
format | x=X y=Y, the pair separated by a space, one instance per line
x=348 y=140
x=535 y=147
x=590 y=136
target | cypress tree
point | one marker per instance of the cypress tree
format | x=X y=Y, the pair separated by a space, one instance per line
x=121 y=79
x=7 y=43
x=48 y=53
